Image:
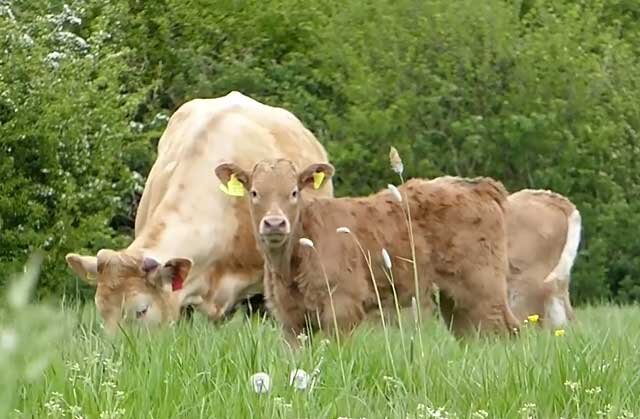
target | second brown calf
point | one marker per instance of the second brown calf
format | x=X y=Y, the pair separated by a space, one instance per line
x=460 y=242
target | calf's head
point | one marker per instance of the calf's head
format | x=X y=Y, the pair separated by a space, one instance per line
x=275 y=188
x=132 y=287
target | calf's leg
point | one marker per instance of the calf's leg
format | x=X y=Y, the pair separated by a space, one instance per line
x=341 y=311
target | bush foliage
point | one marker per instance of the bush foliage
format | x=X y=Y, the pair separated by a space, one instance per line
x=537 y=94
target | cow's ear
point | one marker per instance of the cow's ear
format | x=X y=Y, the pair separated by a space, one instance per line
x=315 y=175
x=170 y=275
x=86 y=267
x=225 y=171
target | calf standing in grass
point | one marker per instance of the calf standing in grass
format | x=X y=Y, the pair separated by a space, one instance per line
x=460 y=243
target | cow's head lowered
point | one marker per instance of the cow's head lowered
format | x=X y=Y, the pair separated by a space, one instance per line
x=274 y=192
x=130 y=286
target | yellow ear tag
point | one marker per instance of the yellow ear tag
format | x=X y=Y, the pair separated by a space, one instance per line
x=234 y=187
x=90 y=276
x=318 y=177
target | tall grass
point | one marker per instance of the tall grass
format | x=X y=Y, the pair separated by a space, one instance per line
x=194 y=370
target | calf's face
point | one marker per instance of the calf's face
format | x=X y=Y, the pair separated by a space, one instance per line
x=274 y=188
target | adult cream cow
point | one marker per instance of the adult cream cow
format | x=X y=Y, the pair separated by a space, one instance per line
x=543 y=234
x=193 y=243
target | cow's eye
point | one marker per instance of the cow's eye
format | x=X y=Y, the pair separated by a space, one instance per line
x=141 y=312
x=254 y=194
x=294 y=193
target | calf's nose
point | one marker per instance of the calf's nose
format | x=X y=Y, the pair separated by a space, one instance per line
x=274 y=224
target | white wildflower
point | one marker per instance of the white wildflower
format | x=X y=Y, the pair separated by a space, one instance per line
x=302 y=338
x=6 y=11
x=299 y=379
x=594 y=390
x=306 y=242
x=75 y=412
x=480 y=414
x=625 y=414
x=395 y=192
x=260 y=382
x=159 y=118
x=343 y=230
x=573 y=386
x=136 y=126
x=27 y=41
x=386 y=258
x=54 y=405
x=53 y=58
x=71 y=40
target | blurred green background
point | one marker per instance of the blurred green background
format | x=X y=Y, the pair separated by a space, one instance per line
x=541 y=94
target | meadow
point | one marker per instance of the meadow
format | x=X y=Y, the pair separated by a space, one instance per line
x=64 y=366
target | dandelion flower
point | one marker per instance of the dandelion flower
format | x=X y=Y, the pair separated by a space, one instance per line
x=306 y=242
x=396 y=161
x=299 y=379
x=260 y=382
x=533 y=318
x=559 y=332
x=343 y=230
x=395 y=192
x=386 y=258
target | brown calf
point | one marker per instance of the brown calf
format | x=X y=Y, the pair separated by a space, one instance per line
x=313 y=273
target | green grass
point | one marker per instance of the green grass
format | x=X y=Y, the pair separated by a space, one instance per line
x=196 y=370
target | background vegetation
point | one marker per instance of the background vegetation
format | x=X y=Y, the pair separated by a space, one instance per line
x=535 y=93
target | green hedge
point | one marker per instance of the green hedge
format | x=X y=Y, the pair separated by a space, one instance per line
x=537 y=94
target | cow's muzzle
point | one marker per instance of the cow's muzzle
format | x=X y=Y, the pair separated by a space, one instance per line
x=274 y=229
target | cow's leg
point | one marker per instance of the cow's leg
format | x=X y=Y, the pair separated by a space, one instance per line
x=229 y=288
x=481 y=303
x=447 y=307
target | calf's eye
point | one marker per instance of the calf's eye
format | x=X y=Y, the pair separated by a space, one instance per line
x=254 y=194
x=294 y=194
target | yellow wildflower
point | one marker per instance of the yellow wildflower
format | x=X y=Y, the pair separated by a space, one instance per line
x=533 y=318
x=559 y=332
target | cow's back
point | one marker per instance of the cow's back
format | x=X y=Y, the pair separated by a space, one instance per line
x=449 y=215
x=205 y=132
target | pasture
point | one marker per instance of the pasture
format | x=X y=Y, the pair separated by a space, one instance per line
x=195 y=370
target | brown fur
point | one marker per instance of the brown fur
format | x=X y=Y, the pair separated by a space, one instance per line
x=460 y=241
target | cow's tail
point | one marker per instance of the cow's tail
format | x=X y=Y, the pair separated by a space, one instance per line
x=558 y=310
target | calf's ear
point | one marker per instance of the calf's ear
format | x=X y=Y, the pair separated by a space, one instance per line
x=224 y=171
x=316 y=175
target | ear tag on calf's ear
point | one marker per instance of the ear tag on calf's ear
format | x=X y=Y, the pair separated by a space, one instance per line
x=318 y=177
x=90 y=276
x=234 y=187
